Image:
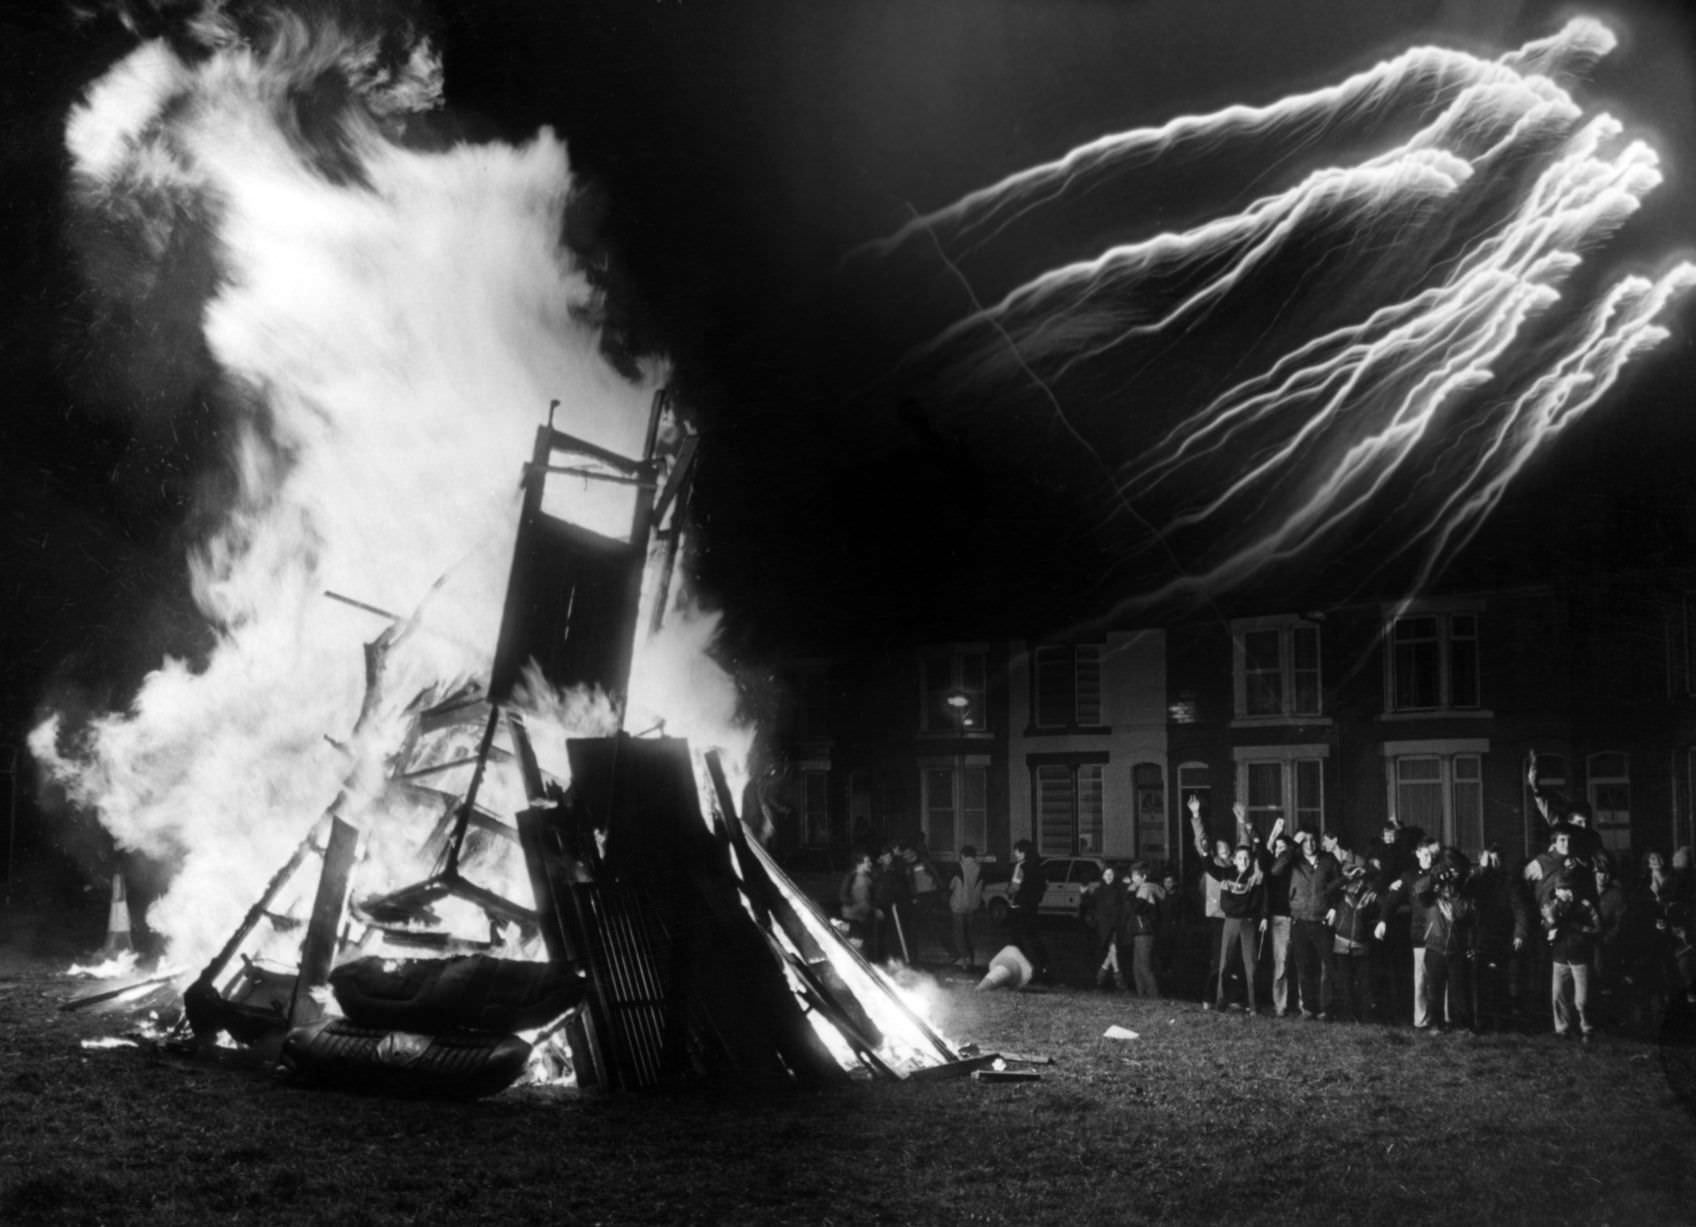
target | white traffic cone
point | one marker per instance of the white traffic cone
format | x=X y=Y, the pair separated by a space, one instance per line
x=118 y=919
x=1008 y=969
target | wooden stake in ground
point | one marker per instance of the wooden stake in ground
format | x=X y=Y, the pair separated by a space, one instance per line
x=901 y=936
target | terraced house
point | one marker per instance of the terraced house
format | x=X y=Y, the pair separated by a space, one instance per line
x=1333 y=717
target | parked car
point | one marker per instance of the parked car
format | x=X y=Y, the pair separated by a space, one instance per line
x=1071 y=881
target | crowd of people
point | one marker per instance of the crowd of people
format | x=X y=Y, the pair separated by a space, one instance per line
x=1407 y=929
x=1576 y=939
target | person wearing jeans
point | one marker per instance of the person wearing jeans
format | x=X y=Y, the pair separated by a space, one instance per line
x=1275 y=864
x=1571 y=924
x=1405 y=895
x=1242 y=897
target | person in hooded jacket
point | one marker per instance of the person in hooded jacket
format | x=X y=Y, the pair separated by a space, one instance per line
x=1405 y=896
x=1450 y=939
x=1571 y=926
x=1108 y=910
x=965 y=897
x=1503 y=931
x=1143 y=906
x=1351 y=963
x=1242 y=897
x=1275 y=865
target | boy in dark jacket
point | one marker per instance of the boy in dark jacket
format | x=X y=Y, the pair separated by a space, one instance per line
x=1450 y=929
x=1276 y=868
x=1403 y=897
x=1504 y=929
x=1351 y=965
x=1316 y=880
x=1571 y=925
x=1108 y=912
x=1242 y=896
x=1030 y=884
x=1142 y=923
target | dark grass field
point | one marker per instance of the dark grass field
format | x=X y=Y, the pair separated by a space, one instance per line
x=1203 y=1118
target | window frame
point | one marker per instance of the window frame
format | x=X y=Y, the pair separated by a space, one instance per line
x=1290 y=708
x=1075 y=660
x=1288 y=759
x=1463 y=830
x=815 y=787
x=970 y=823
x=1594 y=776
x=1446 y=641
x=1075 y=766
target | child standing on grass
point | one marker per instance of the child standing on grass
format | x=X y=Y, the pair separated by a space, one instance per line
x=1449 y=947
x=1571 y=924
x=1242 y=897
x=1142 y=922
x=1357 y=915
x=1109 y=908
x=965 y=897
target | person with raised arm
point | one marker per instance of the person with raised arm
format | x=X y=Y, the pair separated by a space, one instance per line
x=1242 y=897
x=1211 y=910
x=1275 y=864
x=1316 y=882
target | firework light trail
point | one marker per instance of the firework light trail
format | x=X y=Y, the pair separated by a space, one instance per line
x=1393 y=337
x=389 y=324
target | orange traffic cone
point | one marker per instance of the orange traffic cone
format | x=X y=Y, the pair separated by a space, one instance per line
x=118 y=919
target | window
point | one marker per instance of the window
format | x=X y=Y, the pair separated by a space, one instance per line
x=1610 y=798
x=806 y=700
x=1290 y=786
x=1067 y=803
x=956 y=806
x=1439 y=788
x=1148 y=786
x=815 y=806
x=1277 y=668
x=1066 y=685
x=1434 y=661
x=954 y=687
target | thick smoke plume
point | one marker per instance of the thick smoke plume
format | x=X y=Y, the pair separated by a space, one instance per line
x=389 y=319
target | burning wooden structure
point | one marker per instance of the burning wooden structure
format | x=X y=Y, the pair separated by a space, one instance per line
x=619 y=920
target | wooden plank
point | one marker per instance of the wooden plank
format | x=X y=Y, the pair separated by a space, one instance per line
x=318 y=951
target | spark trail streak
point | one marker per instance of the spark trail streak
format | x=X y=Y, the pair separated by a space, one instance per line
x=1398 y=335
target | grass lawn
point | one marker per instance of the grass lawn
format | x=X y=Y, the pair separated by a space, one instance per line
x=1202 y=1118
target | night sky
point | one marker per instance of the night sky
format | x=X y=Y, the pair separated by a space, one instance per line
x=729 y=157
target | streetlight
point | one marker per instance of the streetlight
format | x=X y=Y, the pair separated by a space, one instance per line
x=959 y=704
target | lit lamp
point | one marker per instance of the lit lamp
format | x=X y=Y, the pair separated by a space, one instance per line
x=960 y=704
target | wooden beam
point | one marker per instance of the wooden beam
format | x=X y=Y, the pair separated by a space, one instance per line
x=318 y=951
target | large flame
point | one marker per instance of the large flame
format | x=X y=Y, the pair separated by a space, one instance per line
x=390 y=324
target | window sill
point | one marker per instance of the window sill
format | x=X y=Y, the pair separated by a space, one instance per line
x=1281 y=722
x=1070 y=730
x=1438 y=713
